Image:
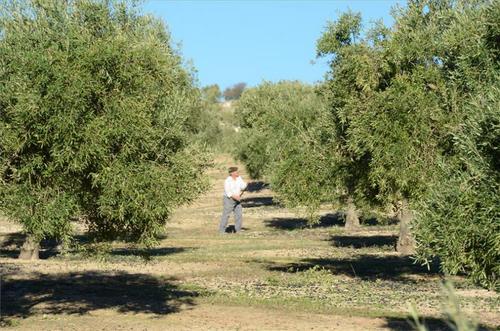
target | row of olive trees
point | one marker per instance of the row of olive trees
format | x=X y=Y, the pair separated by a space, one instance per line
x=412 y=121
x=97 y=117
x=217 y=127
x=412 y=102
x=285 y=131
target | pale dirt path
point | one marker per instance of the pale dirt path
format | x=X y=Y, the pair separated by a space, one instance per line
x=205 y=317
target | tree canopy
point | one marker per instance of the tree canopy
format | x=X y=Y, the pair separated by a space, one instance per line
x=96 y=114
x=404 y=99
x=284 y=138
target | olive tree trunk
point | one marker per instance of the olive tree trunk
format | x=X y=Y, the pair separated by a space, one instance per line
x=30 y=249
x=351 y=216
x=406 y=243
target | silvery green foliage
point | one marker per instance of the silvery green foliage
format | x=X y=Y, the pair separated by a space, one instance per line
x=96 y=111
x=285 y=138
x=209 y=129
x=402 y=101
x=459 y=220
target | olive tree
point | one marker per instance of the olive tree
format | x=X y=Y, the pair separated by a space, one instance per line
x=457 y=220
x=285 y=138
x=349 y=83
x=418 y=102
x=96 y=114
x=209 y=120
x=389 y=94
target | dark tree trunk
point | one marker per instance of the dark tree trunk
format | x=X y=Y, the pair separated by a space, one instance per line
x=406 y=243
x=351 y=216
x=30 y=249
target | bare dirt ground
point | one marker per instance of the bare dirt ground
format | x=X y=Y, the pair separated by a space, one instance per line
x=279 y=274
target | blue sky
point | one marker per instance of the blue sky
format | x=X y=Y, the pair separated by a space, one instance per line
x=251 y=41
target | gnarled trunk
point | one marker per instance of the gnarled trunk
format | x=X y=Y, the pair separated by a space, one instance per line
x=351 y=216
x=406 y=243
x=30 y=249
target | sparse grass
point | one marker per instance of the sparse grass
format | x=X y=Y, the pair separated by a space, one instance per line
x=298 y=305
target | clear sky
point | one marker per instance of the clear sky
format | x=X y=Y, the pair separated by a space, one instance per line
x=251 y=41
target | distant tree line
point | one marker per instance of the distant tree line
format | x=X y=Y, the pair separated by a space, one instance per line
x=234 y=92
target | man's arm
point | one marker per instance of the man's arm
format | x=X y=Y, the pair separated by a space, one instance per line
x=243 y=186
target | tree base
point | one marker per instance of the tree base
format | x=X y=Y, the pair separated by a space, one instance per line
x=351 y=217
x=405 y=246
x=406 y=243
x=352 y=223
x=30 y=250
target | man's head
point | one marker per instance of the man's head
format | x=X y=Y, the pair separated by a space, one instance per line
x=233 y=172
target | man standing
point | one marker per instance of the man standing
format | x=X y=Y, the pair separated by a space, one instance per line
x=233 y=188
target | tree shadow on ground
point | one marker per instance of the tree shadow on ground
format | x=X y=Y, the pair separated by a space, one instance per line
x=12 y=239
x=149 y=252
x=258 y=202
x=366 y=267
x=432 y=323
x=374 y=221
x=79 y=293
x=301 y=223
x=257 y=186
x=363 y=241
x=10 y=247
x=10 y=243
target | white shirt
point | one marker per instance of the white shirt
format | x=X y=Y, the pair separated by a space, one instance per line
x=233 y=186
